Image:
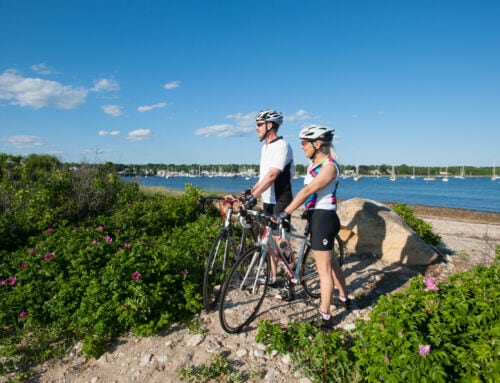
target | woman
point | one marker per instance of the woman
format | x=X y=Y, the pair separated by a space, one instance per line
x=319 y=197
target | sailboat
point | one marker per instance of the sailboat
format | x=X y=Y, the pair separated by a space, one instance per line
x=462 y=174
x=429 y=178
x=494 y=177
x=393 y=175
x=413 y=175
x=356 y=175
x=445 y=178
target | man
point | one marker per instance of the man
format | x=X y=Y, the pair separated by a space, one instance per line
x=275 y=171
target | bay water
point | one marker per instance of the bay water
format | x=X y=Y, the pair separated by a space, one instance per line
x=480 y=193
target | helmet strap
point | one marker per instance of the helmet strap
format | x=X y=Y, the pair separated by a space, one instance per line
x=267 y=131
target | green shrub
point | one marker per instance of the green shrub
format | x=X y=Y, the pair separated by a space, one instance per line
x=38 y=191
x=422 y=228
x=435 y=333
x=137 y=266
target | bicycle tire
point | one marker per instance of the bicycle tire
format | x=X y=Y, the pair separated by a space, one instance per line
x=239 y=304
x=308 y=273
x=216 y=268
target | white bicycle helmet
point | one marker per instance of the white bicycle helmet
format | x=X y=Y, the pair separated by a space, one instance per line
x=317 y=132
x=270 y=116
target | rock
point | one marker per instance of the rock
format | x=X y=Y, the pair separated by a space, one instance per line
x=241 y=353
x=373 y=228
x=195 y=340
x=145 y=360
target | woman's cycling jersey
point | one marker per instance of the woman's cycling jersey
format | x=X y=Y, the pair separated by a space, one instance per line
x=326 y=198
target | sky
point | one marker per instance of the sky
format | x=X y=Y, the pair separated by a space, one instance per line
x=180 y=82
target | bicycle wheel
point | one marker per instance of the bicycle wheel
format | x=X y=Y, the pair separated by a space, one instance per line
x=244 y=290
x=308 y=273
x=218 y=264
x=338 y=250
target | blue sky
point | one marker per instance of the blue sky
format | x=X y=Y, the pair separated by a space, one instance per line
x=415 y=82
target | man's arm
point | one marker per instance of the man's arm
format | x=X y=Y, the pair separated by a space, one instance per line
x=261 y=186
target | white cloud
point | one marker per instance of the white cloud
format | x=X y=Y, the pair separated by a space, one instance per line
x=25 y=142
x=301 y=114
x=42 y=69
x=223 y=131
x=112 y=110
x=244 y=126
x=109 y=132
x=106 y=85
x=172 y=85
x=246 y=120
x=38 y=93
x=139 y=135
x=147 y=108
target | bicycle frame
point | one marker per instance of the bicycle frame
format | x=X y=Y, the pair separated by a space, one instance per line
x=267 y=241
x=227 y=227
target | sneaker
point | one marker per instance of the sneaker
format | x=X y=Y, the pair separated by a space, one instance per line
x=324 y=324
x=337 y=301
x=262 y=281
x=285 y=295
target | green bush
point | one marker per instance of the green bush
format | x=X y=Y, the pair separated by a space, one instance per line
x=137 y=266
x=38 y=191
x=422 y=228
x=427 y=333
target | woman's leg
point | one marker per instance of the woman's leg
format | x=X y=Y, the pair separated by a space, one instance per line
x=339 y=278
x=326 y=281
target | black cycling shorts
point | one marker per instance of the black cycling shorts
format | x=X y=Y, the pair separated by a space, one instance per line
x=324 y=225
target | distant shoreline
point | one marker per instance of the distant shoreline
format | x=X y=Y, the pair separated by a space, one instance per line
x=420 y=210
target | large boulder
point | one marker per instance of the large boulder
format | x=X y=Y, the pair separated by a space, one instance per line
x=369 y=227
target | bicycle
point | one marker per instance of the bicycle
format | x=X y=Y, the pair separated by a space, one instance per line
x=226 y=247
x=246 y=285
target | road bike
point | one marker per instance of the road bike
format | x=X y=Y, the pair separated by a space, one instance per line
x=229 y=244
x=246 y=285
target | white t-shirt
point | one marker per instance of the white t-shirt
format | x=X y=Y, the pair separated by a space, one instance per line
x=277 y=154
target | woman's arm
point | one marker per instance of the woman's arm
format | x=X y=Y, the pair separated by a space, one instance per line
x=325 y=176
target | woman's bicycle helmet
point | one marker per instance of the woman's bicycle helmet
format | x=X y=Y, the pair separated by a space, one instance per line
x=317 y=132
x=270 y=116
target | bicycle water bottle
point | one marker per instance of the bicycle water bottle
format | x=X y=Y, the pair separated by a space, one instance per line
x=286 y=248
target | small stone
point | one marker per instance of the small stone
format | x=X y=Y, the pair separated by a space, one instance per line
x=241 y=353
x=349 y=326
x=196 y=340
x=213 y=346
x=258 y=353
x=145 y=360
x=162 y=358
x=286 y=359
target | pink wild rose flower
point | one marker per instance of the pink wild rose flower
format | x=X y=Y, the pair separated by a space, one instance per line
x=136 y=276
x=424 y=349
x=430 y=284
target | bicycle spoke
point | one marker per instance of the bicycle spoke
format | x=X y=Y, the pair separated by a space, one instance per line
x=244 y=290
x=218 y=264
x=309 y=274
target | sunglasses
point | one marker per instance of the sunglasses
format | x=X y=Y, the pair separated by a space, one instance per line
x=260 y=123
x=304 y=143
